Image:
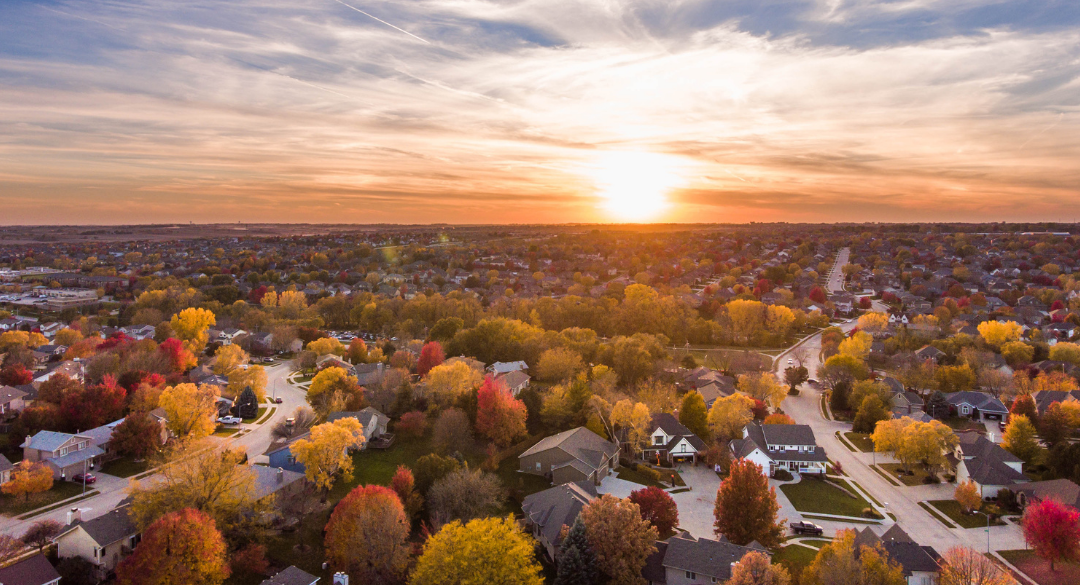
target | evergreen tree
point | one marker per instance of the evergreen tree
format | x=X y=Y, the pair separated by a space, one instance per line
x=577 y=564
x=838 y=398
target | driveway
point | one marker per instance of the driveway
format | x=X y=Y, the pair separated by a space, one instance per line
x=696 y=506
x=620 y=488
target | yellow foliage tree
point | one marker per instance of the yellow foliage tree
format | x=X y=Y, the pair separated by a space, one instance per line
x=191 y=326
x=779 y=319
x=729 y=415
x=764 y=386
x=486 y=550
x=228 y=358
x=1063 y=351
x=447 y=381
x=292 y=303
x=968 y=495
x=326 y=345
x=28 y=477
x=747 y=319
x=325 y=453
x=873 y=323
x=190 y=410
x=857 y=346
x=67 y=336
x=634 y=418
x=326 y=389
x=998 y=333
x=269 y=300
x=253 y=376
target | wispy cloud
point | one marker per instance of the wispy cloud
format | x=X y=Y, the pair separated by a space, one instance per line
x=276 y=111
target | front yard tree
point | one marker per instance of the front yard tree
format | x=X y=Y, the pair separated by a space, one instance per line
x=180 y=547
x=191 y=326
x=138 y=437
x=1053 y=529
x=325 y=453
x=763 y=386
x=333 y=389
x=41 y=533
x=634 y=420
x=969 y=497
x=694 y=416
x=619 y=537
x=577 y=563
x=1024 y=405
x=746 y=506
x=872 y=410
x=965 y=566
x=368 y=535
x=795 y=375
x=729 y=415
x=838 y=563
x=1020 y=440
x=1055 y=425
x=28 y=477
x=431 y=355
x=755 y=569
x=190 y=410
x=499 y=416
x=486 y=550
x=657 y=508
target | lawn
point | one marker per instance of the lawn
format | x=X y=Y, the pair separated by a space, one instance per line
x=1039 y=570
x=951 y=508
x=959 y=423
x=637 y=477
x=861 y=441
x=891 y=478
x=893 y=469
x=794 y=558
x=226 y=432
x=816 y=496
x=125 y=467
x=258 y=415
x=61 y=490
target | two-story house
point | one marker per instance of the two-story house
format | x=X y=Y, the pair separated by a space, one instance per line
x=575 y=455
x=103 y=541
x=987 y=464
x=548 y=511
x=65 y=453
x=685 y=560
x=789 y=447
x=373 y=423
x=919 y=564
x=670 y=441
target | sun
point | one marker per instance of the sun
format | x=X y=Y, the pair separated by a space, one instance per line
x=634 y=185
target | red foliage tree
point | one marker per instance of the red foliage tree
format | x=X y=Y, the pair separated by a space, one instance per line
x=760 y=409
x=368 y=535
x=499 y=416
x=180 y=547
x=865 y=303
x=1025 y=405
x=1053 y=529
x=357 y=352
x=657 y=507
x=173 y=349
x=403 y=483
x=431 y=355
x=250 y=559
x=412 y=424
x=746 y=507
x=93 y=406
x=256 y=294
x=817 y=295
x=118 y=339
x=16 y=375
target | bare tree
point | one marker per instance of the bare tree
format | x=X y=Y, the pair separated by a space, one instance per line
x=303 y=419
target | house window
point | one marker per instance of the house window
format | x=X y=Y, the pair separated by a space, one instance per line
x=658 y=440
x=690 y=575
x=538 y=466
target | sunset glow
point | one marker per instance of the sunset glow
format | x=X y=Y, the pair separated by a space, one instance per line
x=634 y=186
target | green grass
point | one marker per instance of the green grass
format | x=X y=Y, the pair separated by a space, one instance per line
x=951 y=508
x=267 y=417
x=938 y=515
x=794 y=558
x=816 y=542
x=822 y=407
x=810 y=495
x=125 y=467
x=226 y=432
x=637 y=477
x=844 y=520
x=861 y=441
x=909 y=480
x=61 y=490
x=89 y=494
x=890 y=478
x=258 y=415
x=851 y=484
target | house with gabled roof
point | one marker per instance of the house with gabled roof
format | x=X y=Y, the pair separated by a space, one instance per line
x=292 y=575
x=685 y=560
x=548 y=511
x=34 y=570
x=789 y=447
x=920 y=564
x=575 y=455
x=103 y=541
x=12 y=401
x=65 y=453
x=1063 y=490
x=373 y=423
x=987 y=464
x=977 y=405
x=671 y=441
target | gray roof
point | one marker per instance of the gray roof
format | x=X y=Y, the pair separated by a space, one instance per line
x=1062 y=490
x=291 y=576
x=7 y=394
x=981 y=400
x=101 y=435
x=788 y=434
x=50 y=440
x=901 y=548
x=580 y=443
x=555 y=507
x=36 y=570
x=369 y=418
x=5 y=464
x=111 y=527
x=711 y=558
x=266 y=479
x=782 y=435
x=76 y=457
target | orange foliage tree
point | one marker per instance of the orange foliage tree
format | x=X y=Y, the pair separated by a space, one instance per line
x=180 y=547
x=499 y=416
x=368 y=535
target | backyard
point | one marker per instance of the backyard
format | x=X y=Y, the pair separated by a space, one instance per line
x=124 y=467
x=817 y=497
x=794 y=558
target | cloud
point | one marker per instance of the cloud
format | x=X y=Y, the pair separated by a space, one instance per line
x=275 y=111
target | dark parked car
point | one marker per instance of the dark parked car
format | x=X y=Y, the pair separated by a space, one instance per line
x=277 y=400
x=806 y=528
x=78 y=478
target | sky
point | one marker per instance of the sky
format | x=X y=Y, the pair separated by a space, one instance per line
x=527 y=111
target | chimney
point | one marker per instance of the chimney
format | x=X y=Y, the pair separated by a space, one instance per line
x=74 y=515
x=341 y=579
x=280 y=475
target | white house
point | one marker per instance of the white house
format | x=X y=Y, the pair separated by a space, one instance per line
x=789 y=447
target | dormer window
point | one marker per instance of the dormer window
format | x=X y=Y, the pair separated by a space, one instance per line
x=658 y=440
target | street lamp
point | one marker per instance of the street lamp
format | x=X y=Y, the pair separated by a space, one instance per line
x=987 y=533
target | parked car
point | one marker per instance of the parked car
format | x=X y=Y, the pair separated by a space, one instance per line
x=78 y=478
x=277 y=400
x=806 y=528
x=229 y=420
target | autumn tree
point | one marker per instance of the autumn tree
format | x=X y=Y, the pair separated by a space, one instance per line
x=633 y=419
x=1020 y=439
x=431 y=355
x=839 y=562
x=1053 y=529
x=1055 y=425
x=968 y=495
x=577 y=563
x=325 y=452
x=451 y=431
x=871 y=411
x=1024 y=405
x=28 y=477
x=856 y=346
x=431 y=468
x=619 y=537
x=180 y=547
x=368 y=535
x=464 y=494
x=693 y=414
x=499 y=416
x=448 y=381
x=228 y=358
x=253 y=377
x=331 y=389
x=657 y=508
x=326 y=345
x=998 y=333
x=41 y=533
x=795 y=375
x=873 y=323
x=190 y=410
x=763 y=386
x=755 y=568
x=729 y=415
x=961 y=565
x=746 y=508
x=486 y=550
x=778 y=419
x=179 y=357
x=559 y=365
x=138 y=436
x=404 y=485
x=191 y=326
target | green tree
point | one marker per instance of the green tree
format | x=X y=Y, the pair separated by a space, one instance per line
x=872 y=410
x=577 y=563
x=1020 y=439
x=694 y=416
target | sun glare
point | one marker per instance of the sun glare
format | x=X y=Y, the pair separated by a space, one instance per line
x=634 y=185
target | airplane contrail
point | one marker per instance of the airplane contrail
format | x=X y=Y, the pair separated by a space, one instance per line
x=1041 y=132
x=382 y=21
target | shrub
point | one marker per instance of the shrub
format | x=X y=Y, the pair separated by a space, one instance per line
x=870 y=513
x=930 y=479
x=782 y=475
x=649 y=472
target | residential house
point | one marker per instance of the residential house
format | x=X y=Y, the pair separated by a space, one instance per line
x=103 y=541
x=1044 y=398
x=670 y=441
x=286 y=484
x=515 y=381
x=12 y=401
x=789 y=447
x=369 y=374
x=685 y=560
x=72 y=369
x=65 y=453
x=5 y=469
x=930 y=352
x=139 y=332
x=548 y=511
x=292 y=576
x=373 y=422
x=575 y=455
x=230 y=335
x=920 y=564
x=332 y=361
x=48 y=353
x=1062 y=490
x=498 y=368
x=977 y=405
x=35 y=570
x=280 y=454
x=987 y=464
